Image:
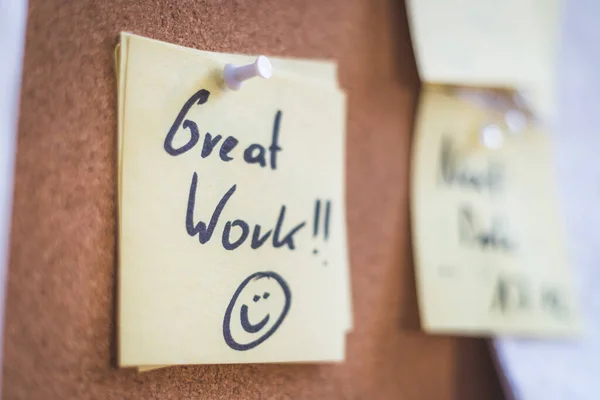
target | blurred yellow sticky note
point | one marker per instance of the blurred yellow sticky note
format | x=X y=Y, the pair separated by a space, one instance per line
x=509 y=43
x=232 y=215
x=489 y=248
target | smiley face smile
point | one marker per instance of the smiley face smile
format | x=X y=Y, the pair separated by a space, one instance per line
x=264 y=297
x=246 y=324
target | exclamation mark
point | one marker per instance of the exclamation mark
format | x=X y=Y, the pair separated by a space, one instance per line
x=317 y=215
x=327 y=210
x=317 y=222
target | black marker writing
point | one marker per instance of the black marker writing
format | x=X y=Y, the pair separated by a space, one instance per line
x=452 y=174
x=317 y=223
x=514 y=294
x=274 y=148
x=257 y=240
x=553 y=302
x=511 y=294
x=226 y=240
x=253 y=154
x=287 y=239
x=253 y=157
x=236 y=232
x=281 y=238
x=261 y=302
x=228 y=145
x=204 y=232
x=250 y=326
x=327 y=212
x=209 y=144
x=317 y=219
x=471 y=232
x=200 y=97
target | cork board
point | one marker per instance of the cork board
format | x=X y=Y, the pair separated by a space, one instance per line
x=60 y=327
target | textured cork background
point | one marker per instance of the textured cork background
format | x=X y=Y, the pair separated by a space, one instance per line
x=60 y=328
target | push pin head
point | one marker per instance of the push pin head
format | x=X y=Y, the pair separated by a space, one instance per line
x=492 y=136
x=234 y=76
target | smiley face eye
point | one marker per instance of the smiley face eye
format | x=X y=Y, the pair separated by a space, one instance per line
x=266 y=295
x=256 y=298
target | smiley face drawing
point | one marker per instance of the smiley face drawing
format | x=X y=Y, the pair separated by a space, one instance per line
x=257 y=308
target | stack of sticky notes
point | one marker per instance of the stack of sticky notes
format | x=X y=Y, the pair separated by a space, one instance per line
x=232 y=232
x=490 y=248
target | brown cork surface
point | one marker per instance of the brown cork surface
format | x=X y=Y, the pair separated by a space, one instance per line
x=60 y=332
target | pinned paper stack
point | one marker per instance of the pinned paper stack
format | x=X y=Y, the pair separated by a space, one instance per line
x=232 y=234
x=490 y=251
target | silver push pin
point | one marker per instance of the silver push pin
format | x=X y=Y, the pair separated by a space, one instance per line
x=492 y=136
x=234 y=76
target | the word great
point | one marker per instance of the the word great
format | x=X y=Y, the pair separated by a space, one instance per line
x=253 y=154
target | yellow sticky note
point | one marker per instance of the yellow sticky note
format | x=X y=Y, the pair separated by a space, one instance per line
x=510 y=43
x=490 y=253
x=232 y=230
x=321 y=72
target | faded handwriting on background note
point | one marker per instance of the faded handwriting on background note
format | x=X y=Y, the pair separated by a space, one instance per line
x=472 y=231
x=454 y=173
